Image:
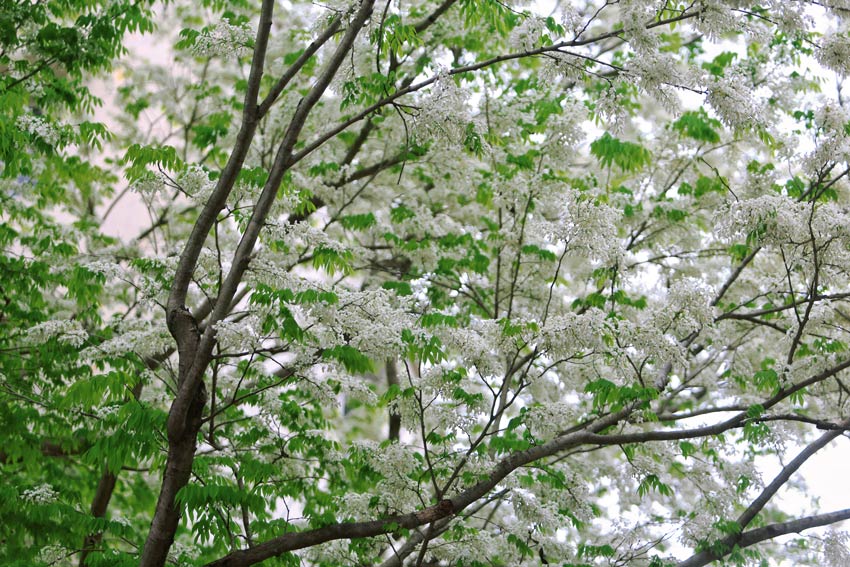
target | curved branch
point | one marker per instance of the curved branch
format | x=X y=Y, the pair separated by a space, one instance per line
x=771 y=531
x=444 y=509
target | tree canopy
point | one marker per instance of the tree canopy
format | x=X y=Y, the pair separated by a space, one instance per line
x=458 y=282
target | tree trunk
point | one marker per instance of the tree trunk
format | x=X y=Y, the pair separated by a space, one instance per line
x=178 y=469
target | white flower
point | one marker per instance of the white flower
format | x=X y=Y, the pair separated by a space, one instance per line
x=772 y=218
x=656 y=73
x=609 y=106
x=443 y=113
x=527 y=35
x=182 y=553
x=420 y=287
x=196 y=182
x=109 y=269
x=224 y=40
x=689 y=299
x=835 y=550
x=589 y=227
x=65 y=330
x=53 y=554
x=571 y=18
x=634 y=16
x=37 y=126
x=731 y=98
x=140 y=337
x=149 y=186
x=834 y=53
x=40 y=494
x=546 y=421
x=239 y=336
x=716 y=19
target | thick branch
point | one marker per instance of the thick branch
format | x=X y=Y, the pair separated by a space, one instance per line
x=770 y=490
x=290 y=73
x=242 y=256
x=772 y=531
x=250 y=116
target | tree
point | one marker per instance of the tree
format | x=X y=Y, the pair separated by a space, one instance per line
x=455 y=282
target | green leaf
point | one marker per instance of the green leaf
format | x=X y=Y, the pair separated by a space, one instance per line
x=628 y=156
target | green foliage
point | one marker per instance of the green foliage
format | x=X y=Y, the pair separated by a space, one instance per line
x=140 y=158
x=628 y=156
x=698 y=126
x=352 y=359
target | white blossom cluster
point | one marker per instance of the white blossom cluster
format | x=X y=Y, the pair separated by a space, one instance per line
x=559 y=64
x=196 y=182
x=480 y=345
x=833 y=141
x=610 y=107
x=731 y=98
x=110 y=269
x=40 y=494
x=224 y=40
x=644 y=341
x=834 y=53
x=68 y=331
x=182 y=554
x=589 y=228
x=836 y=548
x=442 y=114
x=370 y=319
x=687 y=307
x=566 y=131
x=394 y=462
x=527 y=34
x=38 y=126
x=716 y=19
x=656 y=73
x=239 y=336
x=545 y=421
x=571 y=18
x=140 y=337
x=634 y=15
x=535 y=512
x=302 y=234
x=570 y=334
x=150 y=186
x=53 y=554
x=777 y=218
x=419 y=288
x=718 y=496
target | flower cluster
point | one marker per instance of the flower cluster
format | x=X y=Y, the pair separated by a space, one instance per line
x=196 y=182
x=526 y=35
x=835 y=548
x=140 y=337
x=64 y=330
x=40 y=494
x=770 y=218
x=834 y=53
x=149 y=186
x=38 y=126
x=546 y=421
x=588 y=227
x=731 y=98
x=224 y=40
x=239 y=336
x=442 y=113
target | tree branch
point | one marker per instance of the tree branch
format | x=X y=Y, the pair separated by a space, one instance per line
x=771 y=531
